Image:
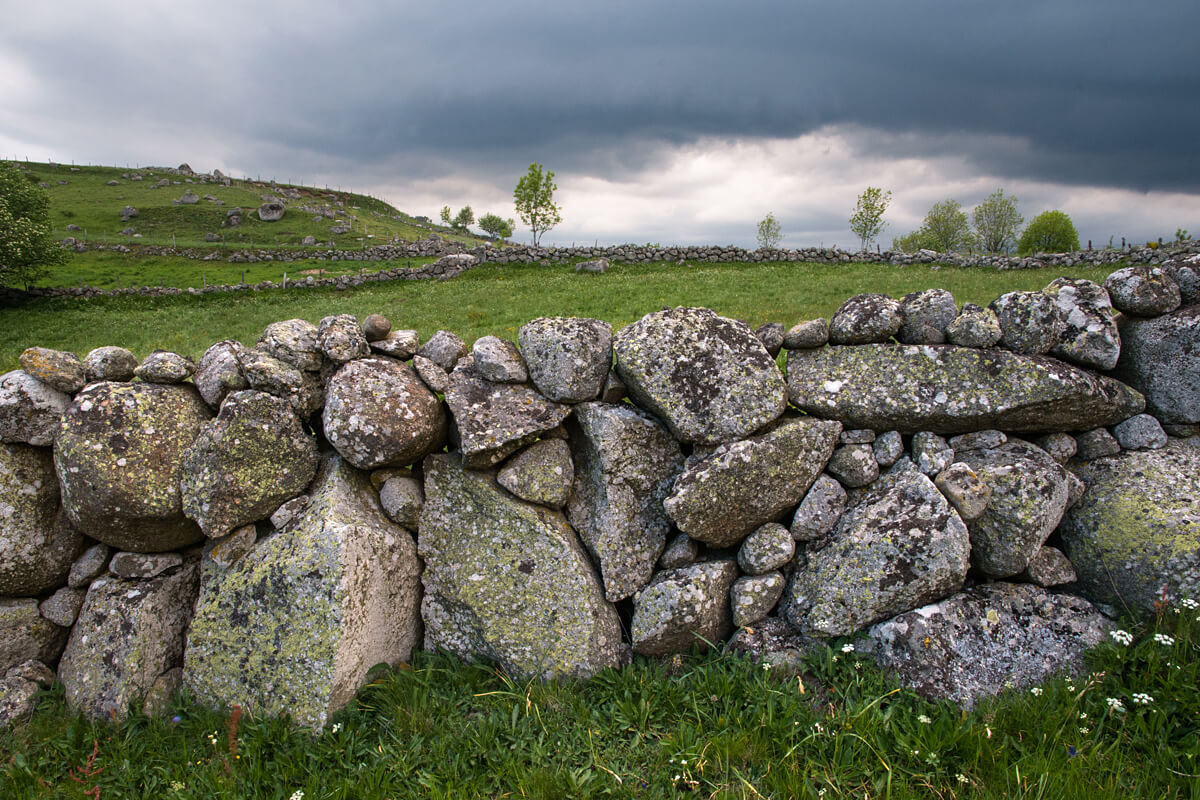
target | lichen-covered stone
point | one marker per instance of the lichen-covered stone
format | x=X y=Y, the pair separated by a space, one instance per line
x=541 y=473
x=109 y=364
x=925 y=315
x=753 y=597
x=403 y=499
x=865 y=318
x=776 y=644
x=119 y=459
x=495 y=420
x=436 y=378
x=977 y=440
x=888 y=447
x=243 y=464
x=856 y=436
x=142 y=566
x=680 y=552
x=341 y=338
x=614 y=390
x=499 y=360
x=854 y=465
x=1060 y=446
x=975 y=327
x=294 y=342
x=625 y=464
x=265 y=373
x=1029 y=495
x=293 y=626
x=1140 y=432
x=163 y=366
x=1096 y=443
x=989 y=638
x=18 y=699
x=1161 y=359
x=30 y=411
x=707 y=377
x=684 y=608
x=62 y=607
x=509 y=581
x=378 y=413
x=444 y=349
x=128 y=634
x=219 y=372
x=1048 y=567
x=819 y=511
x=398 y=344
x=26 y=634
x=1186 y=274
x=89 y=566
x=37 y=544
x=1030 y=322
x=964 y=489
x=1089 y=335
x=568 y=357
x=767 y=549
x=722 y=497
x=1136 y=532
x=58 y=369
x=807 y=335
x=898 y=546
x=931 y=453
x=947 y=389
x=1143 y=290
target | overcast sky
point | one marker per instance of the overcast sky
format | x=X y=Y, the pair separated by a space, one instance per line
x=669 y=122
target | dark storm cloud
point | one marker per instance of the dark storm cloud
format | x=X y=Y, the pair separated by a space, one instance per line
x=1085 y=92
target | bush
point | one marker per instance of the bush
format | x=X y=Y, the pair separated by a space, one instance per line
x=945 y=230
x=1049 y=232
x=27 y=246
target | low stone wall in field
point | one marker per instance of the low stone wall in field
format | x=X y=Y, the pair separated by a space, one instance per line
x=455 y=258
x=970 y=491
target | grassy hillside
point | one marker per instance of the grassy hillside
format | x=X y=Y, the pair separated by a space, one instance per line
x=92 y=198
x=493 y=299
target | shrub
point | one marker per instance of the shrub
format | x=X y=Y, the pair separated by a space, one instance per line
x=1049 y=232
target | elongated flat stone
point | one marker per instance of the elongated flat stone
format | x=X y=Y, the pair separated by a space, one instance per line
x=947 y=389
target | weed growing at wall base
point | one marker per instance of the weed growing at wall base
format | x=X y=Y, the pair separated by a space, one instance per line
x=716 y=725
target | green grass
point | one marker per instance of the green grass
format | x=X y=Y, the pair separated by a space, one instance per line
x=702 y=726
x=84 y=198
x=492 y=299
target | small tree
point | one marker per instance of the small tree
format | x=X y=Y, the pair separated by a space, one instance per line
x=27 y=245
x=997 y=222
x=911 y=243
x=1049 y=232
x=867 y=220
x=447 y=217
x=946 y=229
x=465 y=218
x=495 y=225
x=534 y=198
x=769 y=232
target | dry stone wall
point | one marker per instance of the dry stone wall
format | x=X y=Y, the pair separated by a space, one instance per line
x=973 y=492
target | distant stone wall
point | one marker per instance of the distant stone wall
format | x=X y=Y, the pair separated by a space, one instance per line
x=549 y=256
x=958 y=487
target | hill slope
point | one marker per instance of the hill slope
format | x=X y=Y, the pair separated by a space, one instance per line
x=90 y=201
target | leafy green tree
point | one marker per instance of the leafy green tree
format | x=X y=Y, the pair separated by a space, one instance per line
x=997 y=222
x=945 y=230
x=495 y=225
x=27 y=245
x=447 y=216
x=769 y=232
x=867 y=220
x=1049 y=232
x=534 y=198
x=464 y=219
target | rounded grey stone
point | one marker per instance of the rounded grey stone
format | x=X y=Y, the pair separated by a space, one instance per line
x=819 y=511
x=569 y=358
x=30 y=411
x=753 y=597
x=1089 y=337
x=925 y=316
x=1143 y=290
x=807 y=335
x=854 y=465
x=1140 y=432
x=1160 y=358
x=37 y=543
x=219 y=372
x=768 y=548
x=975 y=327
x=403 y=499
x=165 y=367
x=1031 y=323
x=888 y=447
x=341 y=338
x=1096 y=443
x=294 y=342
x=865 y=319
x=58 y=369
x=499 y=360
x=109 y=364
x=444 y=349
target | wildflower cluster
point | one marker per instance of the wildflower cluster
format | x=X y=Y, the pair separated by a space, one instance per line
x=1121 y=637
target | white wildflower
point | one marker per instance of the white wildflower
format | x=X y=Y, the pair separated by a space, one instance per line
x=1142 y=699
x=1036 y=691
x=848 y=647
x=1163 y=639
x=1115 y=704
x=924 y=720
x=1121 y=637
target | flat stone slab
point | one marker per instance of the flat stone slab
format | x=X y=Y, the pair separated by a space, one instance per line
x=947 y=390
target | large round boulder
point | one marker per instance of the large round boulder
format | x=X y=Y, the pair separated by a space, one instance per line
x=119 y=459
x=1160 y=358
x=378 y=413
